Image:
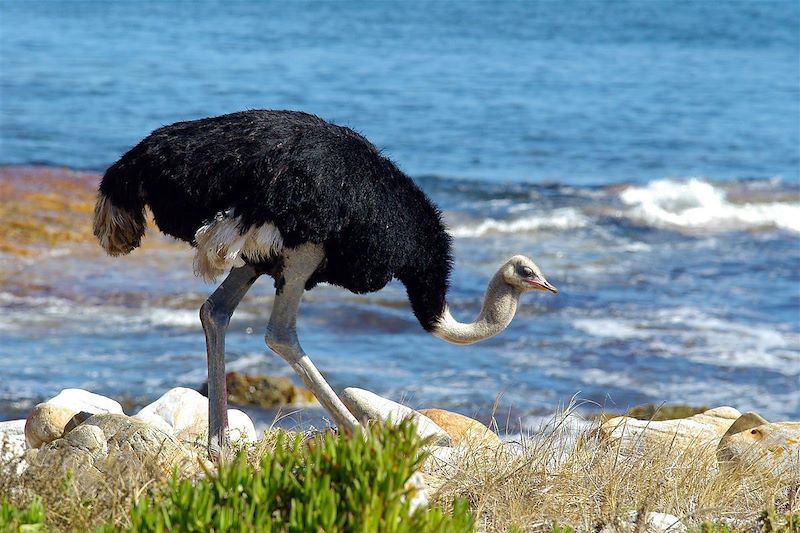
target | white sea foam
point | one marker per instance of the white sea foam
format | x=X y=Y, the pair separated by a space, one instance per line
x=703 y=338
x=609 y=327
x=249 y=361
x=558 y=219
x=635 y=247
x=25 y=312
x=697 y=204
x=174 y=317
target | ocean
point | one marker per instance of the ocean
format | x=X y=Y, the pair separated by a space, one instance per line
x=645 y=154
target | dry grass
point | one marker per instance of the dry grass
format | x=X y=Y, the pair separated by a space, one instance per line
x=72 y=505
x=554 y=478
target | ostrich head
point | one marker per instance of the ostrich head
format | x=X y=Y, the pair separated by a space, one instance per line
x=517 y=275
x=523 y=274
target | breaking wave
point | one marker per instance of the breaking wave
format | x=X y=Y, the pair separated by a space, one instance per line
x=557 y=219
x=697 y=204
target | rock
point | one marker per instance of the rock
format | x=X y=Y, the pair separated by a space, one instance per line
x=264 y=391
x=658 y=522
x=110 y=450
x=754 y=443
x=366 y=405
x=654 y=411
x=652 y=523
x=80 y=400
x=442 y=461
x=183 y=413
x=463 y=430
x=241 y=427
x=180 y=412
x=415 y=485
x=12 y=444
x=698 y=433
x=440 y=465
x=48 y=421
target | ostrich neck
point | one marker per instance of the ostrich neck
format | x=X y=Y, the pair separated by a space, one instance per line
x=499 y=307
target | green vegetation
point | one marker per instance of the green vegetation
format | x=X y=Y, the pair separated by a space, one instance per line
x=333 y=484
x=26 y=520
x=330 y=483
x=772 y=522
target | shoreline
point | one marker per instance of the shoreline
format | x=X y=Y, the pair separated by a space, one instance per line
x=58 y=281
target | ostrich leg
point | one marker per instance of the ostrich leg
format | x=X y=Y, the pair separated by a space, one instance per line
x=299 y=264
x=215 y=315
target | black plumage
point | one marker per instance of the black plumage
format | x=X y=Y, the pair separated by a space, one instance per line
x=315 y=181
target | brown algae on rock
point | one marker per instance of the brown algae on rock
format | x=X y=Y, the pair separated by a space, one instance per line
x=42 y=207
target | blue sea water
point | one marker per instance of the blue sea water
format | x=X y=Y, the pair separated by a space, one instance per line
x=644 y=153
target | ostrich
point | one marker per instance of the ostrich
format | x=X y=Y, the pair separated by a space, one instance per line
x=290 y=195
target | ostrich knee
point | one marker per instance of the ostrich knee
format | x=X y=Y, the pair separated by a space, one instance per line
x=213 y=318
x=283 y=341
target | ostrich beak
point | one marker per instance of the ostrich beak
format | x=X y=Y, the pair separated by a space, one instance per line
x=543 y=284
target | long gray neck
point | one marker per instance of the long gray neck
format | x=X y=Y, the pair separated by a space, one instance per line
x=499 y=307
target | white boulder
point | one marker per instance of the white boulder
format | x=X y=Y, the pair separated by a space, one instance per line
x=241 y=427
x=12 y=443
x=183 y=413
x=415 y=485
x=366 y=405
x=697 y=434
x=80 y=400
x=652 y=522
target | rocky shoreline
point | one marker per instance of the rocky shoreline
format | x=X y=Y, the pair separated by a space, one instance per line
x=658 y=468
x=88 y=439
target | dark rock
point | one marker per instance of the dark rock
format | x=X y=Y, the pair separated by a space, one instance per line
x=264 y=391
x=658 y=412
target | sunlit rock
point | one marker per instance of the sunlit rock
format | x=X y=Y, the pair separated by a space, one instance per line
x=180 y=412
x=463 y=430
x=753 y=443
x=45 y=423
x=80 y=400
x=183 y=413
x=699 y=433
x=49 y=420
x=366 y=405
x=241 y=427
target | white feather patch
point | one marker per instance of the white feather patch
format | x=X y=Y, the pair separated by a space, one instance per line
x=220 y=245
x=262 y=242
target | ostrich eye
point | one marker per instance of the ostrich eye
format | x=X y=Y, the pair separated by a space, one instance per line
x=526 y=272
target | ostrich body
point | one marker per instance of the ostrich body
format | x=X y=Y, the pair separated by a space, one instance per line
x=289 y=195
